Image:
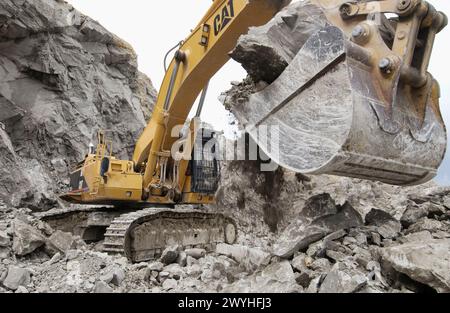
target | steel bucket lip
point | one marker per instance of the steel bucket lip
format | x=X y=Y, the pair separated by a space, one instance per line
x=334 y=59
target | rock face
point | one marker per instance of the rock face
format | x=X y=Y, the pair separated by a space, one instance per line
x=26 y=238
x=62 y=78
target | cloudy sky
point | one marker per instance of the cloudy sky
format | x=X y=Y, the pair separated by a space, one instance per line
x=152 y=27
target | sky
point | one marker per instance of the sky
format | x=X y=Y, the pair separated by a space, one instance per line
x=153 y=27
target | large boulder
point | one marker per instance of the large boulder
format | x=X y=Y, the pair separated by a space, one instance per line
x=26 y=238
x=267 y=50
x=427 y=262
x=62 y=78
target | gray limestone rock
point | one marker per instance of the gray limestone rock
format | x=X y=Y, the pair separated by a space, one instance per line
x=196 y=253
x=276 y=278
x=182 y=259
x=414 y=212
x=250 y=258
x=427 y=262
x=387 y=226
x=343 y=279
x=5 y=241
x=114 y=276
x=319 y=218
x=169 y=255
x=26 y=238
x=156 y=266
x=169 y=284
x=266 y=50
x=62 y=78
x=17 y=277
x=61 y=242
x=426 y=224
x=102 y=287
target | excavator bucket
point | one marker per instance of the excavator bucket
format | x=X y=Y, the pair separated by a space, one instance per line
x=353 y=108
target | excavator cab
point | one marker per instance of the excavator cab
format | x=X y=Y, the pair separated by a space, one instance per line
x=357 y=99
x=204 y=165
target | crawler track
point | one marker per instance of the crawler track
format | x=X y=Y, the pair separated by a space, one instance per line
x=144 y=234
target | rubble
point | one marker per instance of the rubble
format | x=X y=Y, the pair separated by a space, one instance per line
x=414 y=212
x=343 y=279
x=276 y=278
x=114 y=276
x=182 y=259
x=169 y=284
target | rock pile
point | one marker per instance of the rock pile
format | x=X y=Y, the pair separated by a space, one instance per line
x=378 y=253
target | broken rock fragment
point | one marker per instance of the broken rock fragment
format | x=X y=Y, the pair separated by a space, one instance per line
x=386 y=225
x=17 y=277
x=427 y=262
x=275 y=278
x=426 y=224
x=102 y=287
x=250 y=258
x=26 y=238
x=4 y=239
x=196 y=253
x=61 y=242
x=415 y=212
x=343 y=279
x=319 y=218
x=170 y=255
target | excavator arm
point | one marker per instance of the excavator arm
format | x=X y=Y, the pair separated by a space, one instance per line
x=199 y=57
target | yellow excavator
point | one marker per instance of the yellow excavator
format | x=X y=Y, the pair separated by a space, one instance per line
x=383 y=122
